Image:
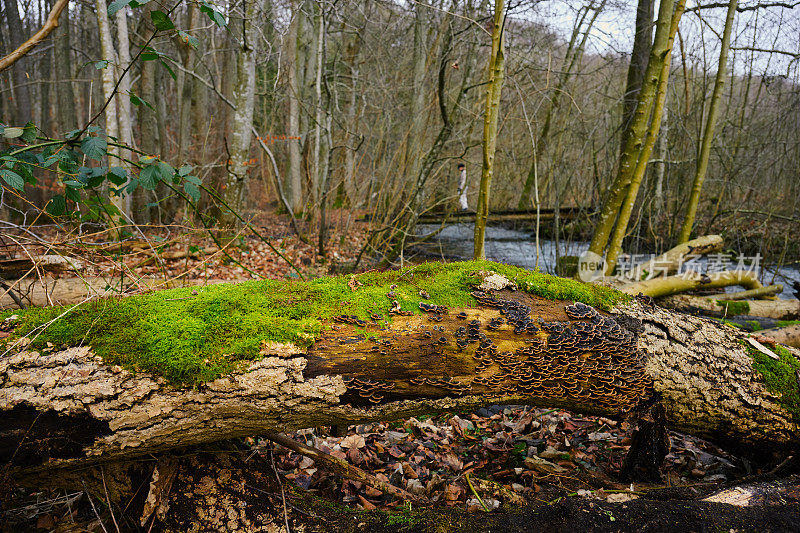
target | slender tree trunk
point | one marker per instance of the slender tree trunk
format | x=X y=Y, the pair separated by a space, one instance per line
x=294 y=182
x=642 y=43
x=64 y=93
x=23 y=112
x=495 y=85
x=349 y=181
x=711 y=122
x=319 y=112
x=635 y=134
x=244 y=100
x=123 y=96
x=664 y=62
x=108 y=54
x=416 y=131
x=185 y=89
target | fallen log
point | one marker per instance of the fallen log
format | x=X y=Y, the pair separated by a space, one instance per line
x=670 y=261
x=122 y=378
x=775 y=309
x=788 y=335
x=657 y=287
x=767 y=292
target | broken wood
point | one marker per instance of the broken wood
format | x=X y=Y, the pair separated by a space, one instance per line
x=776 y=309
x=66 y=408
x=342 y=467
x=658 y=287
x=670 y=261
x=788 y=335
x=752 y=294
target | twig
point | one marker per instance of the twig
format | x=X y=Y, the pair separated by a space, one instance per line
x=108 y=498
x=86 y=490
x=475 y=493
x=283 y=493
x=343 y=468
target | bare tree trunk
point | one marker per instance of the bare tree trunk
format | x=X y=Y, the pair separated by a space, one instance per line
x=123 y=96
x=108 y=54
x=64 y=94
x=23 y=112
x=711 y=121
x=186 y=87
x=635 y=134
x=294 y=181
x=244 y=100
x=492 y=112
x=642 y=43
x=615 y=245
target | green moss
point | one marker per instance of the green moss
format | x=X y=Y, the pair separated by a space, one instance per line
x=755 y=325
x=734 y=307
x=786 y=323
x=780 y=376
x=192 y=338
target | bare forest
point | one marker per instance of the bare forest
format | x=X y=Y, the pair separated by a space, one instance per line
x=273 y=163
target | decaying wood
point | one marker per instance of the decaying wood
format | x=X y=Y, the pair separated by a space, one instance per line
x=670 y=261
x=342 y=467
x=753 y=294
x=789 y=335
x=657 y=287
x=66 y=408
x=776 y=309
x=16 y=268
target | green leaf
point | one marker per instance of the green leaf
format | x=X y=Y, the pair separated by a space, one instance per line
x=192 y=190
x=188 y=39
x=149 y=56
x=12 y=133
x=101 y=64
x=148 y=177
x=94 y=147
x=161 y=21
x=165 y=170
x=12 y=179
x=73 y=194
x=72 y=184
x=116 y=5
x=135 y=100
x=29 y=132
x=215 y=16
x=169 y=69
x=184 y=170
x=72 y=134
x=193 y=179
x=57 y=205
x=117 y=175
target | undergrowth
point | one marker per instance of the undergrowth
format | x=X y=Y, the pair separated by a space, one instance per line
x=196 y=334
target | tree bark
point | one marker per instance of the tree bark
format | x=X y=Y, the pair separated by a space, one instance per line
x=66 y=408
x=294 y=183
x=491 y=115
x=243 y=98
x=711 y=122
x=22 y=96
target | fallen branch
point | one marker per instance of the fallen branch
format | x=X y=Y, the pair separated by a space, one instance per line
x=777 y=309
x=343 y=468
x=752 y=294
x=50 y=24
x=670 y=261
x=676 y=284
x=789 y=335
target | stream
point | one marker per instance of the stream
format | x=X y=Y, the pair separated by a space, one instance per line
x=517 y=247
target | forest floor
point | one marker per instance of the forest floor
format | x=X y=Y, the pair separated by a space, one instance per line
x=547 y=470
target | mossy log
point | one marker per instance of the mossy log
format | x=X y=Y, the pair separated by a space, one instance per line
x=369 y=347
x=669 y=285
x=721 y=306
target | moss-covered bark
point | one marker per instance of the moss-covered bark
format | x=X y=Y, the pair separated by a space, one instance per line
x=280 y=356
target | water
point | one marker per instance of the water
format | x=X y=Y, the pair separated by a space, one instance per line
x=518 y=248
